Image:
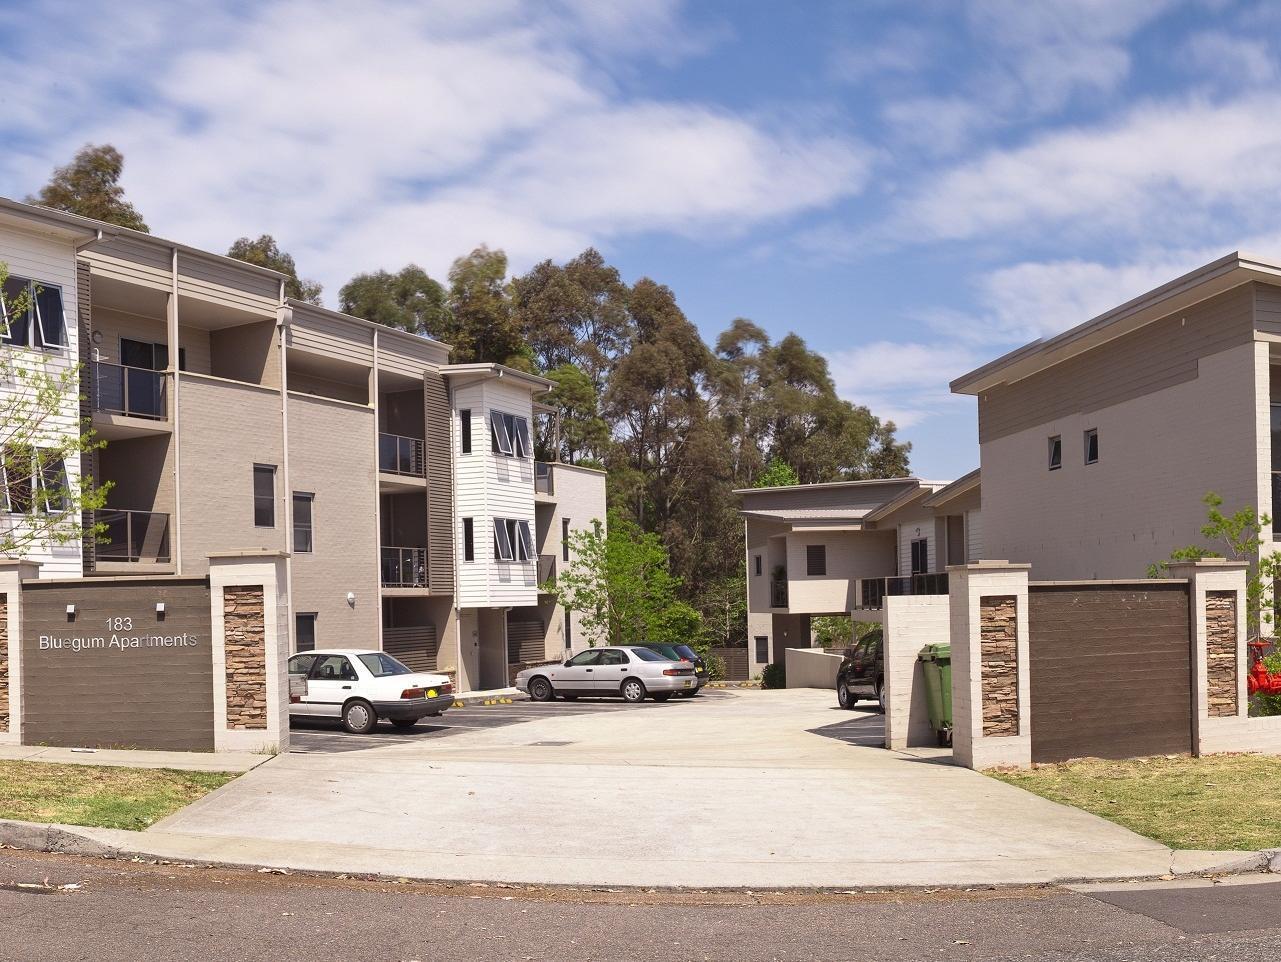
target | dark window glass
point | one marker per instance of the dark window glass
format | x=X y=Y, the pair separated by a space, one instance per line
x=53 y=327
x=564 y=539
x=569 y=630
x=816 y=560
x=264 y=496
x=1056 y=453
x=53 y=483
x=302 y=522
x=19 y=479
x=522 y=445
x=464 y=418
x=333 y=668
x=503 y=548
x=469 y=540
x=586 y=658
x=382 y=665
x=524 y=541
x=762 y=648
x=500 y=437
x=1091 y=446
x=615 y=657
x=920 y=556
x=304 y=639
x=17 y=293
x=758 y=565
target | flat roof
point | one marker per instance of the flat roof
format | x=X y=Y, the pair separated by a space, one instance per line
x=1229 y=271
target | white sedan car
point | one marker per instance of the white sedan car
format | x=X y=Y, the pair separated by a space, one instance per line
x=630 y=672
x=359 y=687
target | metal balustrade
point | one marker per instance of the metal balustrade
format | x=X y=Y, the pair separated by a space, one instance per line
x=404 y=567
x=401 y=455
x=136 y=392
x=132 y=536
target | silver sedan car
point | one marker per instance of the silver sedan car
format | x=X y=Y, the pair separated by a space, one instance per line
x=623 y=671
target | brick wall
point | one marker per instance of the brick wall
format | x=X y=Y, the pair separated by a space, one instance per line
x=1221 y=652
x=244 y=629
x=4 y=663
x=999 y=657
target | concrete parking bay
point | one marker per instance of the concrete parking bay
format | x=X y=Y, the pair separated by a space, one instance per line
x=755 y=789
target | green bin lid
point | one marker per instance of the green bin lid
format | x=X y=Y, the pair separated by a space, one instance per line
x=935 y=652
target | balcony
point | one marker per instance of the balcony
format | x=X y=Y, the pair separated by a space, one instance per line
x=132 y=537
x=778 y=593
x=872 y=592
x=401 y=455
x=404 y=567
x=546 y=569
x=544 y=483
x=138 y=393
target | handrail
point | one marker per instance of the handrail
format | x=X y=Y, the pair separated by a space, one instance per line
x=401 y=455
x=546 y=569
x=404 y=567
x=872 y=592
x=544 y=483
x=132 y=536
x=136 y=392
x=778 y=594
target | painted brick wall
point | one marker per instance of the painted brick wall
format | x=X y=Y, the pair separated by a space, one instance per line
x=246 y=647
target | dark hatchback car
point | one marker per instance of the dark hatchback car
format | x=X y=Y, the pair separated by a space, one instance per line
x=862 y=672
x=687 y=654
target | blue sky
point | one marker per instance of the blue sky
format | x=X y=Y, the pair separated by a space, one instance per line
x=915 y=187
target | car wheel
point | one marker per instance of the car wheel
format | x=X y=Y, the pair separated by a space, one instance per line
x=404 y=723
x=540 y=689
x=880 y=695
x=662 y=696
x=633 y=690
x=844 y=697
x=358 y=717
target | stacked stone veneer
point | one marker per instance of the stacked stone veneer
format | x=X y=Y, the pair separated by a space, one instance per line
x=4 y=663
x=1221 y=652
x=999 y=658
x=244 y=629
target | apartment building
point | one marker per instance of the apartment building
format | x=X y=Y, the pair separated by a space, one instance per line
x=840 y=548
x=1097 y=445
x=403 y=488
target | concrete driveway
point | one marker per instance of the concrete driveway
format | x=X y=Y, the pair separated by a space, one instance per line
x=755 y=789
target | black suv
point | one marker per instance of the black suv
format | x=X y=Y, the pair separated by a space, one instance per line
x=685 y=653
x=862 y=672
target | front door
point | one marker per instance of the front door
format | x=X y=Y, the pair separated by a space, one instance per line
x=331 y=682
x=578 y=674
x=612 y=671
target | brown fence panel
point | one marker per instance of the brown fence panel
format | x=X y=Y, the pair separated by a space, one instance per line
x=735 y=662
x=1111 y=670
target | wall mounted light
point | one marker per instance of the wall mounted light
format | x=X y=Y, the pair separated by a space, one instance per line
x=160 y=611
x=71 y=612
x=97 y=337
x=351 y=599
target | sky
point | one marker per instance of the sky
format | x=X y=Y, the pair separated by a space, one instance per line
x=913 y=187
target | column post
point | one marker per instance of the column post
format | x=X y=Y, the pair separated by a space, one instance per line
x=13 y=572
x=991 y=701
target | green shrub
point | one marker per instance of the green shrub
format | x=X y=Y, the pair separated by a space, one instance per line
x=774 y=675
x=715 y=667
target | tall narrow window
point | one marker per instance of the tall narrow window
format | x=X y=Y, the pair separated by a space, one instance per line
x=1091 y=446
x=920 y=556
x=464 y=420
x=499 y=437
x=32 y=313
x=1056 y=452
x=762 y=648
x=264 y=495
x=503 y=548
x=32 y=479
x=816 y=560
x=305 y=631
x=525 y=541
x=521 y=444
x=469 y=540
x=758 y=566
x=302 y=522
x=569 y=631
x=564 y=539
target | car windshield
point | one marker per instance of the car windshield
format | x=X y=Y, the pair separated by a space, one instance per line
x=381 y=665
x=644 y=654
x=667 y=651
x=685 y=651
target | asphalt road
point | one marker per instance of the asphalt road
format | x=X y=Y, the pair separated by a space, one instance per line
x=125 y=911
x=322 y=736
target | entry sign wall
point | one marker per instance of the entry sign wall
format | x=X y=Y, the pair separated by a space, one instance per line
x=113 y=671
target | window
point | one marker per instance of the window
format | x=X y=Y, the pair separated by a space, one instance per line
x=302 y=664
x=32 y=479
x=564 y=539
x=587 y=658
x=762 y=648
x=1091 y=446
x=32 y=314
x=513 y=540
x=1056 y=452
x=816 y=560
x=382 y=665
x=612 y=656
x=464 y=418
x=149 y=355
x=469 y=540
x=920 y=556
x=757 y=569
x=264 y=496
x=569 y=631
x=302 y=522
x=304 y=637
x=509 y=435
x=333 y=668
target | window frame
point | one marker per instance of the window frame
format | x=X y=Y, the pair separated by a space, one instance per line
x=46 y=484
x=521 y=438
x=469 y=540
x=761 y=648
x=564 y=539
x=308 y=498
x=758 y=567
x=1054 y=455
x=500 y=525
x=525 y=539
x=258 y=469
x=299 y=618
x=924 y=544
x=815 y=562
x=464 y=429
x=1091 y=434
x=34 y=326
x=500 y=440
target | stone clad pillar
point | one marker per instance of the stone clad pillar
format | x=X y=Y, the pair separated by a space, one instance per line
x=991 y=702
x=249 y=613
x=1220 y=659
x=12 y=573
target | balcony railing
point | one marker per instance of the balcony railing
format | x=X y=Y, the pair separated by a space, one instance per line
x=132 y=536
x=137 y=392
x=400 y=455
x=546 y=569
x=872 y=592
x=778 y=594
x=543 y=483
x=404 y=567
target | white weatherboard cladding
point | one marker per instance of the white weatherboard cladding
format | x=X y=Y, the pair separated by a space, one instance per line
x=488 y=486
x=49 y=261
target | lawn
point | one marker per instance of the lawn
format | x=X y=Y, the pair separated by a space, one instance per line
x=107 y=797
x=1215 y=802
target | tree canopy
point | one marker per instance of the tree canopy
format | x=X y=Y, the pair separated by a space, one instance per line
x=265 y=252
x=90 y=186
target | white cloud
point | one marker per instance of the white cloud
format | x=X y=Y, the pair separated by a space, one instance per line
x=904 y=382
x=902 y=50
x=1229 y=59
x=392 y=131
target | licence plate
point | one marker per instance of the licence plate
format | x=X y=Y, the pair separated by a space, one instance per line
x=431 y=692
x=688 y=683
